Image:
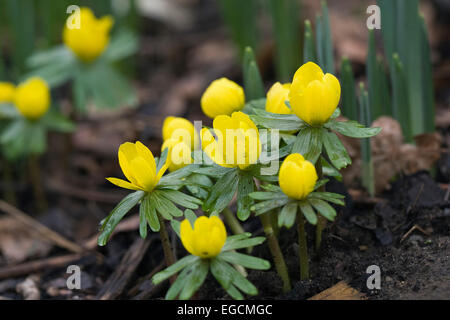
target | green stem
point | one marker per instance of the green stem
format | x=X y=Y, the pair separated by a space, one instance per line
x=277 y=255
x=36 y=182
x=232 y=222
x=321 y=221
x=165 y=241
x=302 y=247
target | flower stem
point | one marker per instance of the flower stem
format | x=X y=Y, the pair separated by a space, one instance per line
x=302 y=247
x=277 y=255
x=165 y=241
x=321 y=221
x=232 y=222
x=36 y=182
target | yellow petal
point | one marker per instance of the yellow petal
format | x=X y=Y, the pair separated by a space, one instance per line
x=306 y=74
x=143 y=173
x=127 y=152
x=222 y=97
x=145 y=153
x=187 y=236
x=123 y=184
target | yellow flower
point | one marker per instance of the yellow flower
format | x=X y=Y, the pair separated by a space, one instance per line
x=276 y=97
x=90 y=40
x=313 y=95
x=138 y=166
x=237 y=143
x=32 y=98
x=6 y=92
x=297 y=176
x=180 y=129
x=222 y=97
x=179 y=154
x=206 y=239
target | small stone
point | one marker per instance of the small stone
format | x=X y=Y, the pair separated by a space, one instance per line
x=388 y=279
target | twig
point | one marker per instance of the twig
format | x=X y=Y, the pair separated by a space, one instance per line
x=93 y=195
x=37 y=265
x=40 y=229
x=146 y=280
x=117 y=282
x=414 y=227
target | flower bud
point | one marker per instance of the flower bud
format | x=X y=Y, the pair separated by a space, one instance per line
x=297 y=177
x=276 y=98
x=91 y=38
x=222 y=97
x=6 y=92
x=180 y=129
x=313 y=95
x=179 y=154
x=207 y=237
x=32 y=98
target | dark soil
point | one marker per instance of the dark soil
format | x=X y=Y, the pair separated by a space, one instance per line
x=417 y=267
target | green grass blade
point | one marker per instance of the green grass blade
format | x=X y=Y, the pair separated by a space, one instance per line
x=349 y=106
x=367 y=164
x=309 y=48
x=400 y=104
x=253 y=84
x=427 y=80
x=285 y=17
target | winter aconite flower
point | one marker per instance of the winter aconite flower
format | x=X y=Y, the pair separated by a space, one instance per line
x=276 y=98
x=222 y=97
x=179 y=154
x=180 y=129
x=138 y=166
x=6 y=92
x=32 y=98
x=237 y=141
x=207 y=237
x=314 y=95
x=91 y=38
x=297 y=176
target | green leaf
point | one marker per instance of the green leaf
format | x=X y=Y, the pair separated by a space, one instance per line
x=175 y=224
x=329 y=171
x=176 y=287
x=221 y=273
x=162 y=160
x=308 y=212
x=245 y=260
x=320 y=183
x=196 y=190
x=309 y=143
x=142 y=223
x=180 y=198
x=164 y=206
x=328 y=196
x=287 y=215
x=222 y=192
x=195 y=279
x=191 y=216
x=117 y=214
x=243 y=243
x=238 y=279
x=235 y=293
x=246 y=186
x=335 y=150
x=264 y=206
x=12 y=131
x=57 y=122
x=352 y=129
x=263 y=195
x=214 y=171
x=122 y=45
x=174 y=268
x=148 y=208
x=323 y=208
x=282 y=122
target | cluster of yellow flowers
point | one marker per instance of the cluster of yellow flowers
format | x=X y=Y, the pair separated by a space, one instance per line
x=234 y=142
x=31 y=97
